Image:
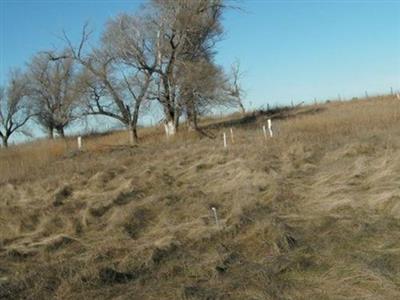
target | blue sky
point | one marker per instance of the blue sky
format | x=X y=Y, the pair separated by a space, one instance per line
x=289 y=50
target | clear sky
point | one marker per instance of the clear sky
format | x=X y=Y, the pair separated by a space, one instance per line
x=289 y=50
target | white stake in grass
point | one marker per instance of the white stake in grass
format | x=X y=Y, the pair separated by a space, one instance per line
x=232 y=138
x=270 y=127
x=215 y=216
x=224 y=140
x=79 y=143
x=265 y=132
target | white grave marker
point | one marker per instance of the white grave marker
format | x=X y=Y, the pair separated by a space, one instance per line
x=270 y=127
x=79 y=143
x=264 y=131
x=225 y=140
x=215 y=216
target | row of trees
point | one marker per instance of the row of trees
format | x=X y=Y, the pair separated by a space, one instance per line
x=162 y=54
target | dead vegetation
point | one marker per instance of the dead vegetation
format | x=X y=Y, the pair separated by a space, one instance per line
x=311 y=214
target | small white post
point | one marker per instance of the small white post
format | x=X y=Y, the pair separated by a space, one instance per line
x=215 y=216
x=225 y=140
x=398 y=96
x=265 y=132
x=270 y=127
x=232 y=138
x=79 y=143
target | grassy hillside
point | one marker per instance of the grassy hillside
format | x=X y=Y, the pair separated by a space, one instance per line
x=313 y=213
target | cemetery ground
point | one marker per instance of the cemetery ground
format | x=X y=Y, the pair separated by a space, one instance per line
x=311 y=213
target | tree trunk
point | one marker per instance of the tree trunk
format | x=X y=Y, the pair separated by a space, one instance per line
x=176 y=119
x=133 y=137
x=191 y=125
x=242 y=109
x=170 y=128
x=169 y=104
x=51 y=133
x=5 y=141
x=171 y=122
x=61 y=133
x=192 y=118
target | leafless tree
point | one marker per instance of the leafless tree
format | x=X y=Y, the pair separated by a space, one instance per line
x=119 y=73
x=55 y=91
x=234 y=88
x=201 y=89
x=188 y=31
x=141 y=57
x=15 y=110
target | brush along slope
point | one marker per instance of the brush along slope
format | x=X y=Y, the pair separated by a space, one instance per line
x=312 y=214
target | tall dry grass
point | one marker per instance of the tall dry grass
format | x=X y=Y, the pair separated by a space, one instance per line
x=341 y=119
x=311 y=214
x=19 y=162
x=322 y=123
x=29 y=160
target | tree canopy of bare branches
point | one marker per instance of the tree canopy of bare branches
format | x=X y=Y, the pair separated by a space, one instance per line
x=188 y=31
x=160 y=56
x=119 y=73
x=55 y=91
x=234 y=87
x=164 y=52
x=15 y=110
x=200 y=83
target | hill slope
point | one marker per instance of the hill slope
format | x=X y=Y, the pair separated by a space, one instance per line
x=313 y=213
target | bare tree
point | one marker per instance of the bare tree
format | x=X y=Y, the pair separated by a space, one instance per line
x=234 y=88
x=14 y=107
x=201 y=89
x=119 y=73
x=188 y=31
x=142 y=56
x=55 y=91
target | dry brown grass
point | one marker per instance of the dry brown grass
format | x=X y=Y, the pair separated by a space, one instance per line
x=30 y=159
x=18 y=162
x=313 y=213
